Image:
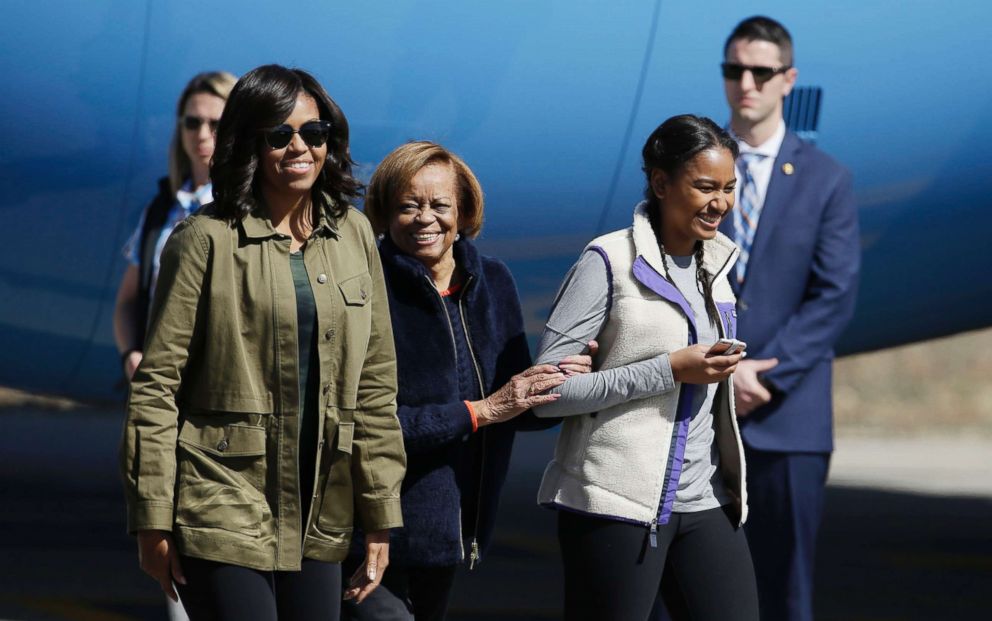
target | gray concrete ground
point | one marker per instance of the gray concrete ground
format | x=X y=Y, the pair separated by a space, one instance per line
x=907 y=534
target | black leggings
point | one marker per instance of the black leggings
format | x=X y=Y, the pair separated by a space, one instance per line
x=222 y=592
x=612 y=572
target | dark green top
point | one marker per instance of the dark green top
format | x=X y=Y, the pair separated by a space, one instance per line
x=306 y=317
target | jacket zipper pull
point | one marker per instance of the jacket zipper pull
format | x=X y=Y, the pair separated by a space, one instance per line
x=474 y=556
x=654 y=533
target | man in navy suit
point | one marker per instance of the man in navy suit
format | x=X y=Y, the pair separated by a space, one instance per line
x=797 y=225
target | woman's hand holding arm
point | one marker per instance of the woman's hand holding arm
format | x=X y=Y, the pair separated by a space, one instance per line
x=159 y=559
x=579 y=363
x=520 y=394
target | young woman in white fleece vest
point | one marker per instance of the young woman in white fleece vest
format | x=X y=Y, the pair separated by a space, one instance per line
x=648 y=473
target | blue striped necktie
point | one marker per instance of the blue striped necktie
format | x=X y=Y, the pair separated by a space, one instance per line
x=747 y=213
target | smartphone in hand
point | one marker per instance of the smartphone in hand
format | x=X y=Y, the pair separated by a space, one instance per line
x=727 y=347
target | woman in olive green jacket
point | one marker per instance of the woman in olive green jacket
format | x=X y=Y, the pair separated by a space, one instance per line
x=262 y=419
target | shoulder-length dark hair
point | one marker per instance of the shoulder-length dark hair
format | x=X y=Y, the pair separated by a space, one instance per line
x=263 y=98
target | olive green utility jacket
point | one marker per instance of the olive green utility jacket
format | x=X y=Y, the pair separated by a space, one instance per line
x=209 y=450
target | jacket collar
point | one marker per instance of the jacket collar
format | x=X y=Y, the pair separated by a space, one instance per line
x=466 y=257
x=717 y=252
x=258 y=225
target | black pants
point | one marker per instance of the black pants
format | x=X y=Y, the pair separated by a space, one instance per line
x=222 y=592
x=612 y=572
x=405 y=594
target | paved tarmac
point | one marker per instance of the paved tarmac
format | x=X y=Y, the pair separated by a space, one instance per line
x=907 y=533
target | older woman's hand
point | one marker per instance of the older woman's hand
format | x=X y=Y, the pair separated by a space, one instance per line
x=579 y=364
x=521 y=393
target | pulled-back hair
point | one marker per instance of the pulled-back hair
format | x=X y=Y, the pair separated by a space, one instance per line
x=671 y=146
x=761 y=28
x=677 y=141
x=216 y=83
x=264 y=98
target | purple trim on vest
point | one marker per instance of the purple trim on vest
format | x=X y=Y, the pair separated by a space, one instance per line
x=676 y=454
x=728 y=316
x=609 y=277
x=650 y=278
x=647 y=276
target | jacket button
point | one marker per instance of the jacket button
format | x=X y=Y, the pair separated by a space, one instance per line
x=364 y=295
x=322 y=278
x=329 y=334
x=222 y=445
x=742 y=304
x=327 y=389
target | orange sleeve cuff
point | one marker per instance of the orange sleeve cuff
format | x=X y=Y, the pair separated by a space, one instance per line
x=475 y=419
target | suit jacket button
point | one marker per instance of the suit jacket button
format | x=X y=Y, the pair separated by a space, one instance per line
x=222 y=445
x=322 y=278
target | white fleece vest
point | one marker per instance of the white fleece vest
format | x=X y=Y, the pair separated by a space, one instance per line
x=624 y=462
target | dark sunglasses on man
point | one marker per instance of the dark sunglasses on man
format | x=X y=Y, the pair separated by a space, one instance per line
x=733 y=71
x=313 y=133
x=194 y=123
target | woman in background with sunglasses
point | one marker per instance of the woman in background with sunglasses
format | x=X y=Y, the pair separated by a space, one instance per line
x=181 y=193
x=262 y=419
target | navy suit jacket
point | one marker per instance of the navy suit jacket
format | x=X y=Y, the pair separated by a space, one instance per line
x=798 y=295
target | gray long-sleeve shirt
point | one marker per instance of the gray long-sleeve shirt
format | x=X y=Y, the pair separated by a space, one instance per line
x=578 y=314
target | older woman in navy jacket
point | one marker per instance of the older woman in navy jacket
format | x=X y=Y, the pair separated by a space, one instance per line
x=465 y=374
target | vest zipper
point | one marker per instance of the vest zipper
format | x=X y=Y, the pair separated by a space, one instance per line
x=692 y=341
x=675 y=430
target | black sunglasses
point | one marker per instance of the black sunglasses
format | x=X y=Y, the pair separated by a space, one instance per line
x=194 y=123
x=733 y=71
x=313 y=133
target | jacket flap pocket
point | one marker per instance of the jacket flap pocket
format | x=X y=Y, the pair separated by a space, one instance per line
x=234 y=440
x=356 y=290
x=346 y=435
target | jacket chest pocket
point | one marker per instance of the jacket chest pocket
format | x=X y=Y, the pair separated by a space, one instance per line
x=728 y=317
x=337 y=501
x=351 y=334
x=356 y=290
x=221 y=473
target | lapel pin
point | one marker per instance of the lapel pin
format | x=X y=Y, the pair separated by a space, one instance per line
x=788 y=168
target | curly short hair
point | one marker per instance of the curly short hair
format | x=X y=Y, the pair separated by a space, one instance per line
x=393 y=176
x=265 y=97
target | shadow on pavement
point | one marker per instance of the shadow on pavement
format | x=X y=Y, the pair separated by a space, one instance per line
x=64 y=554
